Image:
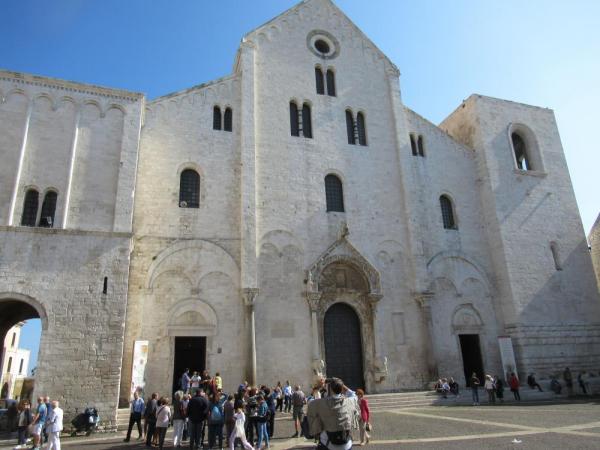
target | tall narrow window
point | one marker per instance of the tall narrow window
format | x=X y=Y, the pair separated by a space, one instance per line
x=48 y=210
x=360 y=125
x=420 y=145
x=413 y=145
x=14 y=338
x=21 y=366
x=350 y=127
x=30 y=208
x=306 y=122
x=319 y=81
x=216 y=118
x=189 y=189
x=294 y=129
x=331 y=83
x=227 y=119
x=447 y=213
x=105 y=285
x=334 y=194
x=555 y=255
x=520 y=150
x=9 y=364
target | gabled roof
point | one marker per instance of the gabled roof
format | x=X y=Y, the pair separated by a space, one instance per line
x=327 y=3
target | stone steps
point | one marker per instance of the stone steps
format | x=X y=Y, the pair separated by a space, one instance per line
x=122 y=419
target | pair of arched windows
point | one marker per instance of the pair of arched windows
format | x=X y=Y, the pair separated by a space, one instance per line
x=189 y=189
x=300 y=122
x=447 y=208
x=320 y=81
x=355 y=129
x=227 y=119
x=30 y=216
x=416 y=145
x=334 y=193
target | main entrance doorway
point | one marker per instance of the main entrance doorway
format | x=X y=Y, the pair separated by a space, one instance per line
x=471 y=355
x=343 y=345
x=190 y=353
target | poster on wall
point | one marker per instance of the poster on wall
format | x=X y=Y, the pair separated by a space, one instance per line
x=507 y=355
x=138 y=370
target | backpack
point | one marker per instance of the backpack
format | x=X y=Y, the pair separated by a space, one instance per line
x=216 y=415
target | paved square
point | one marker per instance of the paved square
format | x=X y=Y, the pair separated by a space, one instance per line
x=539 y=426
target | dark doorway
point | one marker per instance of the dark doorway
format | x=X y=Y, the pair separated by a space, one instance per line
x=471 y=355
x=343 y=345
x=190 y=353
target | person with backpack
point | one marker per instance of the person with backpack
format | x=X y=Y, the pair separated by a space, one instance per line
x=298 y=402
x=163 y=419
x=332 y=418
x=216 y=419
x=178 y=418
x=270 y=400
x=262 y=418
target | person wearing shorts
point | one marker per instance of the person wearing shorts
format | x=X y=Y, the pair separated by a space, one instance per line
x=39 y=422
x=298 y=402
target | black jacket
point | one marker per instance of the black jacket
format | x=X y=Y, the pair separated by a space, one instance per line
x=197 y=409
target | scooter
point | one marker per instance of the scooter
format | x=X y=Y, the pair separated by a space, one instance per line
x=86 y=421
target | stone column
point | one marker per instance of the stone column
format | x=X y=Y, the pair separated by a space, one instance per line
x=249 y=295
x=318 y=366
x=380 y=370
x=424 y=301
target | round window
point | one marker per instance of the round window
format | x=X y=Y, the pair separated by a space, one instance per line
x=322 y=46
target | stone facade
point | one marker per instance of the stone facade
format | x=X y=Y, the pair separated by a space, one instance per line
x=594 y=241
x=254 y=270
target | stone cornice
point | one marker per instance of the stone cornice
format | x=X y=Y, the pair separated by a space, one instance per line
x=63 y=231
x=69 y=86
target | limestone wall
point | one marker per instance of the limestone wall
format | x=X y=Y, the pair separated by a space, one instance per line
x=594 y=241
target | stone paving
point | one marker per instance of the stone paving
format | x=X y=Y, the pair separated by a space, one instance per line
x=542 y=426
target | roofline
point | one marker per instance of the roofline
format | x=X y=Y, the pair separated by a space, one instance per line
x=193 y=88
x=38 y=80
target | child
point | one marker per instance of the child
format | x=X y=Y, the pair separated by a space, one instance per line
x=238 y=430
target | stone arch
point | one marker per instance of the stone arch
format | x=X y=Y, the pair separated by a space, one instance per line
x=34 y=308
x=192 y=317
x=457 y=267
x=466 y=319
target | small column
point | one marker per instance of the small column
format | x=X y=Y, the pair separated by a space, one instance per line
x=424 y=301
x=380 y=370
x=318 y=366
x=13 y=200
x=249 y=295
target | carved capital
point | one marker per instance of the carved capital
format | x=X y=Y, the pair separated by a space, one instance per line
x=313 y=299
x=374 y=298
x=249 y=296
x=423 y=298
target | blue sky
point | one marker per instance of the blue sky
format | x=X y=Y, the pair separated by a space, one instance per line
x=541 y=52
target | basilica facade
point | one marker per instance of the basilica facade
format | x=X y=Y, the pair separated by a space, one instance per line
x=290 y=220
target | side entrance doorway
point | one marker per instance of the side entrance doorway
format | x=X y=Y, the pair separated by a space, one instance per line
x=343 y=345
x=190 y=353
x=471 y=356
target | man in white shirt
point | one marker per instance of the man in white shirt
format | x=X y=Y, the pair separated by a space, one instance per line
x=54 y=425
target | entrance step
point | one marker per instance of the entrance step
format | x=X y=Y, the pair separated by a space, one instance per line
x=122 y=419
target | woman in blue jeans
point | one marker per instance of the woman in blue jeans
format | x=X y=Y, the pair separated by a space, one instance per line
x=474 y=388
x=263 y=418
x=216 y=419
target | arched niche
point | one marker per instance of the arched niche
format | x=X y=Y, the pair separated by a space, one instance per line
x=192 y=317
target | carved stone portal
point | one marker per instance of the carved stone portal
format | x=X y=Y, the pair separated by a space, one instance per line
x=342 y=274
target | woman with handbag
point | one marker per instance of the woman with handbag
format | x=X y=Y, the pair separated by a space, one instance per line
x=365 y=416
x=163 y=420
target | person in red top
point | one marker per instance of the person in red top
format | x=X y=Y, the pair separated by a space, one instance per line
x=365 y=416
x=514 y=386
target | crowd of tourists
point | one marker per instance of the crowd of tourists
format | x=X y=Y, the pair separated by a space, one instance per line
x=494 y=386
x=202 y=410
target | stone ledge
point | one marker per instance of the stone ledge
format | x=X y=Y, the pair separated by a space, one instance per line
x=67 y=232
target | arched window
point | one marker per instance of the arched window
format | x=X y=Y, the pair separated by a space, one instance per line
x=447 y=213
x=48 y=210
x=420 y=145
x=520 y=149
x=189 y=189
x=227 y=119
x=360 y=125
x=334 y=194
x=319 y=81
x=30 y=208
x=306 y=122
x=330 y=83
x=216 y=118
x=350 y=127
x=294 y=129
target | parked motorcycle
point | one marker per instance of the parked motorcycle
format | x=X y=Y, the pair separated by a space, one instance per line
x=86 y=421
